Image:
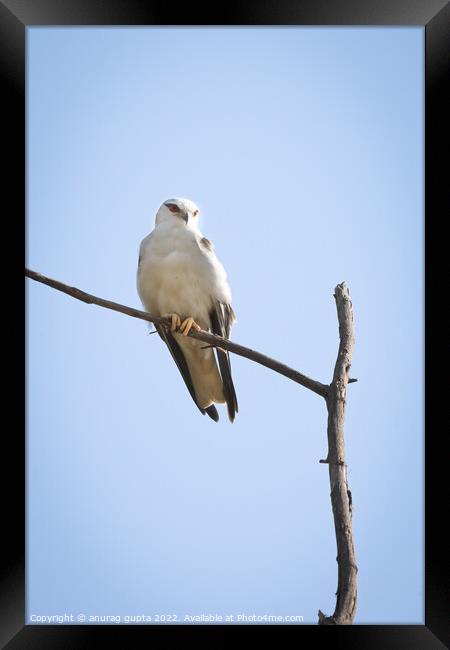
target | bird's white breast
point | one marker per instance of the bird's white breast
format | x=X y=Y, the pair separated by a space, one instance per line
x=176 y=276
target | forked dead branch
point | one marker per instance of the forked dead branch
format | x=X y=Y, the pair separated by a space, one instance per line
x=335 y=396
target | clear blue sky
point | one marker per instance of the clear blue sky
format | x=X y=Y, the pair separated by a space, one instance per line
x=303 y=148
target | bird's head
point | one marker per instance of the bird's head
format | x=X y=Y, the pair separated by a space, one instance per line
x=182 y=211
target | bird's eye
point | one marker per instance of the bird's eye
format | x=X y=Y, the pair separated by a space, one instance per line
x=172 y=207
x=195 y=213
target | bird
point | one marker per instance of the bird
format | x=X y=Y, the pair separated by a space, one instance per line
x=179 y=277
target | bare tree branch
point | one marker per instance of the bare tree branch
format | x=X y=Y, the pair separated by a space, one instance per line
x=341 y=498
x=211 y=339
x=335 y=397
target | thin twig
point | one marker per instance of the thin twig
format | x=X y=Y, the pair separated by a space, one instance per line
x=207 y=337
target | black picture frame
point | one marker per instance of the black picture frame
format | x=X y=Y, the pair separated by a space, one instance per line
x=434 y=15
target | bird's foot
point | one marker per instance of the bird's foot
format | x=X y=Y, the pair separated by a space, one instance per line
x=187 y=325
x=175 y=319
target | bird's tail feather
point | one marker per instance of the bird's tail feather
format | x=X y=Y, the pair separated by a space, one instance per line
x=212 y=412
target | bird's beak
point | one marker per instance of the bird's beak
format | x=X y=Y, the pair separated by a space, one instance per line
x=185 y=217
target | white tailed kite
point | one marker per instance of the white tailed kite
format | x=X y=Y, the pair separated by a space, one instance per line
x=180 y=277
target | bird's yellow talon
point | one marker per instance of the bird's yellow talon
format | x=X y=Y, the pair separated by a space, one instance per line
x=176 y=322
x=187 y=325
x=175 y=319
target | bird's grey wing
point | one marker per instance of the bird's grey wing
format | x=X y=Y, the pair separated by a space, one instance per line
x=182 y=366
x=222 y=317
